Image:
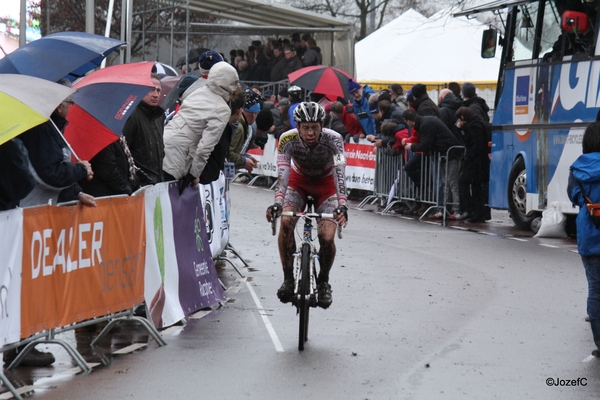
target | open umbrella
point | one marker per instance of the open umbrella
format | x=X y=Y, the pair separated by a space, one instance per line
x=103 y=102
x=163 y=69
x=330 y=81
x=59 y=55
x=26 y=102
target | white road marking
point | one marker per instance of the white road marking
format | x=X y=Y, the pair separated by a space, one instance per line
x=200 y=314
x=130 y=348
x=517 y=239
x=549 y=245
x=21 y=390
x=588 y=358
x=266 y=321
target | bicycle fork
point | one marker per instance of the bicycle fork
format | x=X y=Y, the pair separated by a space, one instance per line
x=312 y=295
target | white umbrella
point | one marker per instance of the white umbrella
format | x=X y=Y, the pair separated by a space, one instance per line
x=165 y=69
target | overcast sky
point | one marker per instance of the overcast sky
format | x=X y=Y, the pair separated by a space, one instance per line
x=10 y=8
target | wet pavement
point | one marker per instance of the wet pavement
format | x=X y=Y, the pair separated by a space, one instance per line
x=420 y=312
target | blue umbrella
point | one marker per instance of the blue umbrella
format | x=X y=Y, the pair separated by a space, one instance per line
x=59 y=55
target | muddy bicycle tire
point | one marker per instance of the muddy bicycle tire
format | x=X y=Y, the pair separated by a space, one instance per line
x=304 y=292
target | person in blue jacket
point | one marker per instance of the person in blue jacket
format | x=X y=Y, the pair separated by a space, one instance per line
x=586 y=171
x=361 y=106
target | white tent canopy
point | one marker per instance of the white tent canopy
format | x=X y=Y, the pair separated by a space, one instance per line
x=414 y=49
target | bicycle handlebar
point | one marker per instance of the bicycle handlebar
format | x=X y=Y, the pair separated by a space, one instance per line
x=304 y=214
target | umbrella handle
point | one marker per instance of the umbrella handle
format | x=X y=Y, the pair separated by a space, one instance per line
x=89 y=176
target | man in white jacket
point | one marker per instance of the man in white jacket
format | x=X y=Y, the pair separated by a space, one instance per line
x=195 y=130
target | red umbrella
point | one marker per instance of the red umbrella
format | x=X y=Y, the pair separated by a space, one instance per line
x=103 y=102
x=330 y=81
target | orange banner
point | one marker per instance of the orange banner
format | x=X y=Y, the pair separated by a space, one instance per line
x=81 y=262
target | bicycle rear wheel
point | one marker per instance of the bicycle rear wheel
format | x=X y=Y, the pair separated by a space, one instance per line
x=304 y=291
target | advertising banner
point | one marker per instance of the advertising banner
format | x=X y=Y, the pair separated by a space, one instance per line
x=11 y=248
x=180 y=274
x=199 y=285
x=81 y=262
x=360 y=165
x=215 y=200
x=267 y=158
x=162 y=275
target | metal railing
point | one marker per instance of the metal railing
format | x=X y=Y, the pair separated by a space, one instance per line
x=429 y=186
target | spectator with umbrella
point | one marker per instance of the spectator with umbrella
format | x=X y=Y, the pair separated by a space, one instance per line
x=144 y=134
x=50 y=162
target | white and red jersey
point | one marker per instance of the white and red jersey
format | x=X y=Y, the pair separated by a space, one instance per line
x=311 y=162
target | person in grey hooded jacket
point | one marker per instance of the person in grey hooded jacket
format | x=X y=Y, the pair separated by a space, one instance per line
x=196 y=129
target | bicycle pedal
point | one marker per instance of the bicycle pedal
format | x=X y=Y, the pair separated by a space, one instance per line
x=313 y=301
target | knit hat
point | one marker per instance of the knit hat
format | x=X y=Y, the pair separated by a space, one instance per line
x=419 y=90
x=264 y=120
x=468 y=90
x=185 y=83
x=373 y=107
x=283 y=93
x=253 y=108
x=207 y=60
x=353 y=86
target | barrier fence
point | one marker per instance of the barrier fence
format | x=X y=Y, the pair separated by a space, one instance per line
x=69 y=266
x=418 y=178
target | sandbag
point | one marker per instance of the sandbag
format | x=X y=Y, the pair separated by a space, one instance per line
x=553 y=223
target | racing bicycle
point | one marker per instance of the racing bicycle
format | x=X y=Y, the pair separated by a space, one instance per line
x=305 y=266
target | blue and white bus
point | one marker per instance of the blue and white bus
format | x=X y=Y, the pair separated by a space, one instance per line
x=548 y=92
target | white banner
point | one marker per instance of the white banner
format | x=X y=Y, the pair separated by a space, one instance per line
x=215 y=200
x=267 y=158
x=161 y=289
x=11 y=248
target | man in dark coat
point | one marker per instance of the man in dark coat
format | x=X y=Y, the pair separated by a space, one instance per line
x=436 y=139
x=50 y=163
x=292 y=62
x=449 y=104
x=144 y=133
x=113 y=172
x=474 y=102
x=15 y=179
x=277 y=65
x=420 y=101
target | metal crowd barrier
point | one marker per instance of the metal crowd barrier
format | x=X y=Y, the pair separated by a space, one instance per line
x=393 y=185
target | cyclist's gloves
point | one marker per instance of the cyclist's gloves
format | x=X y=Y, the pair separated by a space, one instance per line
x=342 y=210
x=275 y=210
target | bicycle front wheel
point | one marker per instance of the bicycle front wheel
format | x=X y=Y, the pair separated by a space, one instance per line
x=304 y=300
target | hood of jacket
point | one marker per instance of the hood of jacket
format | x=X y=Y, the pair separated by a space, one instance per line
x=223 y=80
x=586 y=168
x=479 y=101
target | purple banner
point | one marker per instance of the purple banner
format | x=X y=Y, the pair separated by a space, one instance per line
x=199 y=285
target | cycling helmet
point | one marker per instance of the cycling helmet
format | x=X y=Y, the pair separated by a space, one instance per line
x=309 y=111
x=295 y=89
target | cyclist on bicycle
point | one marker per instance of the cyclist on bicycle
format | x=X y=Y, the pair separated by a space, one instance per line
x=310 y=162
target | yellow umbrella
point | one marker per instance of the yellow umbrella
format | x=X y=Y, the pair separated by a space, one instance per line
x=26 y=102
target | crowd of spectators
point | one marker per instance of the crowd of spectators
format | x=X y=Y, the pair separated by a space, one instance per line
x=273 y=61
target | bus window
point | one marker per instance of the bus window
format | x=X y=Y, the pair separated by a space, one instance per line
x=568 y=22
x=525 y=32
x=550 y=29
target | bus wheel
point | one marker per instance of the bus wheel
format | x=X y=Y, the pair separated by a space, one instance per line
x=517 y=196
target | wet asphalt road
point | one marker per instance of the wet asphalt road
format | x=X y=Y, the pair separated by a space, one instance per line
x=419 y=312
